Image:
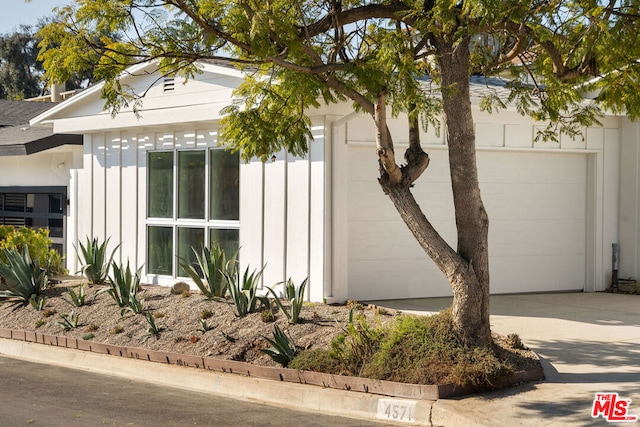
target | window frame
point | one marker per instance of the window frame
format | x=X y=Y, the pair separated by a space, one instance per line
x=205 y=224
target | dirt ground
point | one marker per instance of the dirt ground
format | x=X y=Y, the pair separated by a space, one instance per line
x=179 y=317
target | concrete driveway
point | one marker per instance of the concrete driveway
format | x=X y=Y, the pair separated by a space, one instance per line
x=588 y=342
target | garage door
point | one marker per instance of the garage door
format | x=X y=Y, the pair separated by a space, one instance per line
x=537 y=210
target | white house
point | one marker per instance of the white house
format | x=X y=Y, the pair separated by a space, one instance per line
x=159 y=184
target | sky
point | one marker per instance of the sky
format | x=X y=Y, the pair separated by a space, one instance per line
x=16 y=12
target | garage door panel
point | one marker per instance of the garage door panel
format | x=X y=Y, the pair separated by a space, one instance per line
x=384 y=239
x=534 y=200
x=398 y=278
x=550 y=168
x=508 y=237
x=537 y=213
x=549 y=273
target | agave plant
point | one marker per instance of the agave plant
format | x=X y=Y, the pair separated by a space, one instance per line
x=295 y=298
x=244 y=292
x=94 y=260
x=123 y=288
x=283 y=349
x=23 y=277
x=212 y=267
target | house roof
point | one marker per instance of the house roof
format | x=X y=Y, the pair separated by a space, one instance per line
x=17 y=138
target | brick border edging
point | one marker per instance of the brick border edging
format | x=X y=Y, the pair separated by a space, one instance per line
x=366 y=385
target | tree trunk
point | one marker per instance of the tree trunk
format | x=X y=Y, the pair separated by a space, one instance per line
x=467 y=268
x=470 y=291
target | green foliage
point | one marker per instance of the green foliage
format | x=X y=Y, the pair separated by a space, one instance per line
x=76 y=299
x=95 y=261
x=37 y=241
x=244 y=292
x=20 y=72
x=204 y=326
x=413 y=349
x=295 y=298
x=124 y=287
x=22 y=277
x=37 y=302
x=154 y=329
x=69 y=321
x=212 y=267
x=283 y=349
x=88 y=336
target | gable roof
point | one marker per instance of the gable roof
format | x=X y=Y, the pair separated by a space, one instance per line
x=17 y=138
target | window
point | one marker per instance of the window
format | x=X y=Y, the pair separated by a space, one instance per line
x=193 y=200
x=36 y=207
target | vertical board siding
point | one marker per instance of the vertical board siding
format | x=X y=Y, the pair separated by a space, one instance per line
x=129 y=200
x=319 y=215
x=251 y=213
x=113 y=191
x=297 y=225
x=144 y=143
x=98 y=177
x=275 y=211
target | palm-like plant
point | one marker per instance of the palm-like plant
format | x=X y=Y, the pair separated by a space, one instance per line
x=209 y=277
x=94 y=260
x=23 y=277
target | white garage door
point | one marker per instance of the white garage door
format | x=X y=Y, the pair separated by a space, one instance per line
x=537 y=210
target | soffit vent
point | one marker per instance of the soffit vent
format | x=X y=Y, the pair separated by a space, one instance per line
x=169 y=84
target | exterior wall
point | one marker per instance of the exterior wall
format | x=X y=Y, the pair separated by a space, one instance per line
x=282 y=208
x=630 y=201
x=378 y=260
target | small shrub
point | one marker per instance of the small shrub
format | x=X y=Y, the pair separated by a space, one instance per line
x=38 y=243
x=185 y=294
x=92 y=327
x=514 y=341
x=267 y=316
x=40 y=323
x=88 y=336
x=354 y=305
x=48 y=312
x=206 y=314
x=116 y=330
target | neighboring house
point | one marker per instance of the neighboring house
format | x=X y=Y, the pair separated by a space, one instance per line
x=34 y=170
x=160 y=184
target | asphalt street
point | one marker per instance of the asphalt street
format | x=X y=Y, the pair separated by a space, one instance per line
x=42 y=395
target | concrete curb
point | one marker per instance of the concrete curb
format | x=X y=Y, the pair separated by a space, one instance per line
x=294 y=396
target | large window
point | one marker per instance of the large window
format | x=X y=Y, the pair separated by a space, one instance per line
x=193 y=200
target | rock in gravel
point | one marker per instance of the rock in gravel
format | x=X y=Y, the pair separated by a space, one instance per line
x=179 y=288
